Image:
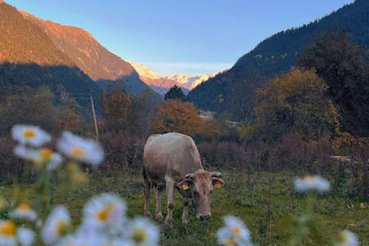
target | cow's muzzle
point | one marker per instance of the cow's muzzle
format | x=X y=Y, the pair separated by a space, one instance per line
x=204 y=217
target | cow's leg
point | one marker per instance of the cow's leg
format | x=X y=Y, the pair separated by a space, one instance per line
x=170 y=185
x=158 y=215
x=147 y=198
x=186 y=203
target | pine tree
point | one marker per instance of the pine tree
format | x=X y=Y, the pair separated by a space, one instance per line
x=345 y=68
x=175 y=93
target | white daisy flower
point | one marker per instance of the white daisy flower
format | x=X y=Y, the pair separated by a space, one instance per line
x=32 y=135
x=52 y=158
x=81 y=149
x=103 y=211
x=23 y=211
x=234 y=233
x=46 y=156
x=25 y=153
x=347 y=238
x=25 y=237
x=90 y=238
x=309 y=183
x=142 y=232
x=56 y=225
x=8 y=233
x=83 y=240
x=120 y=242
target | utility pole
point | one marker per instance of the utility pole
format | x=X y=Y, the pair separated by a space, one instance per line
x=94 y=115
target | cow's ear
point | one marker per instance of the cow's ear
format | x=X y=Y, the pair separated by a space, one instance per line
x=184 y=187
x=217 y=182
x=184 y=184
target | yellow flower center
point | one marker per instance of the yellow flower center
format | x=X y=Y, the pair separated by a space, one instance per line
x=8 y=229
x=342 y=238
x=308 y=178
x=46 y=153
x=236 y=230
x=78 y=152
x=25 y=207
x=139 y=235
x=29 y=134
x=103 y=215
x=61 y=227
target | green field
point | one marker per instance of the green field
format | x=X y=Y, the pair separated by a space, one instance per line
x=262 y=200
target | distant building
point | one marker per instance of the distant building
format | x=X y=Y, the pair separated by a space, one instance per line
x=206 y=115
x=209 y=115
x=232 y=124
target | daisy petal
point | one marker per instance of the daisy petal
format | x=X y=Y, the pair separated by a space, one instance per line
x=81 y=149
x=30 y=135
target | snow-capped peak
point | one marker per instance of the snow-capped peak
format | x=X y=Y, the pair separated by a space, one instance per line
x=145 y=71
x=162 y=84
x=191 y=81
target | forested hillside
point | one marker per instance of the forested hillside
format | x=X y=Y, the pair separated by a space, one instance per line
x=234 y=90
x=90 y=56
x=29 y=57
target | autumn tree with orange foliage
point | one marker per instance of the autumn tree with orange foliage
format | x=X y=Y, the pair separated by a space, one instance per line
x=296 y=101
x=118 y=108
x=177 y=116
x=210 y=129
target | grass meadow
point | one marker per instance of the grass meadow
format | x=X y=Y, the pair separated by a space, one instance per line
x=263 y=200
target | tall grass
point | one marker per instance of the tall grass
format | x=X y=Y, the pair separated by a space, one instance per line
x=264 y=200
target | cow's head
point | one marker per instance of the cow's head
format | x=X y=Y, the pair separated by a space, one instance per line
x=199 y=186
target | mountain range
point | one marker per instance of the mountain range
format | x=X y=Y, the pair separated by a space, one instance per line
x=66 y=59
x=192 y=81
x=38 y=52
x=158 y=83
x=52 y=47
x=161 y=84
x=234 y=90
x=90 y=56
x=29 y=57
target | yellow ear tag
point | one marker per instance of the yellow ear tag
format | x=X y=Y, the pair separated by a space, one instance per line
x=217 y=185
x=185 y=186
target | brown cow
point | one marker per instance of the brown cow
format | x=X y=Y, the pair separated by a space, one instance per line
x=172 y=160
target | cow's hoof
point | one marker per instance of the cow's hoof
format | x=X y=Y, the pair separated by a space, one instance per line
x=159 y=217
x=169 y=222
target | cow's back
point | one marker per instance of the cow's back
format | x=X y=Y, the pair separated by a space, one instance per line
x=170 y=154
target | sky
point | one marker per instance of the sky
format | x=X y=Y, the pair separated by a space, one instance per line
x=181 y=36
